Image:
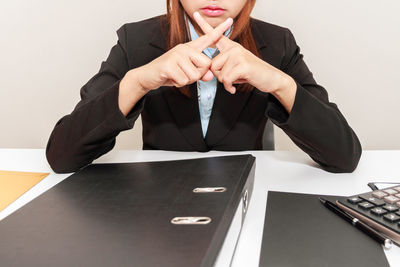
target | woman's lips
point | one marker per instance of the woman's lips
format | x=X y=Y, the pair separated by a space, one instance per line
x=213 y=11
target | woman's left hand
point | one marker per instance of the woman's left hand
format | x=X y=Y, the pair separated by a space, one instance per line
x=235 y=64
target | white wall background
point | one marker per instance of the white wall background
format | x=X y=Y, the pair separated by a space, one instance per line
x=49 y=49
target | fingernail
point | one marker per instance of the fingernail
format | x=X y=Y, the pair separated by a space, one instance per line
x=196 y=13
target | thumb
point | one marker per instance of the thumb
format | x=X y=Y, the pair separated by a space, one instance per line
x=208 y=76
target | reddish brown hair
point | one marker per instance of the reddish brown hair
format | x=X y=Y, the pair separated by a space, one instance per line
x=241 y=32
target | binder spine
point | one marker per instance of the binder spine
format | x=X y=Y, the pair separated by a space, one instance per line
x=241 y=195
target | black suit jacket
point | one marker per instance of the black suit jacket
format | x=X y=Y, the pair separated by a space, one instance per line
x=171 y=121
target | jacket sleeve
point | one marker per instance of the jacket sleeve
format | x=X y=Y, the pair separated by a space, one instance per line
x=315 y=125
x=90 y=130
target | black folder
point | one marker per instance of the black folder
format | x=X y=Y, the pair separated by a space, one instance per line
x=300 y=231
x=122 y=214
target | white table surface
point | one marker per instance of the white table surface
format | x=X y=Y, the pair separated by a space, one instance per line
x=289 y=171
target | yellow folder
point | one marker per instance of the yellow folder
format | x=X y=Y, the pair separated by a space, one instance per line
x=15 y=184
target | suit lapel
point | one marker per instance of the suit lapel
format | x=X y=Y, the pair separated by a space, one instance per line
x=186 y=113
x=224 y=114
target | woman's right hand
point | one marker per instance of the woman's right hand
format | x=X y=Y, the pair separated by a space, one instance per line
x=183 y=64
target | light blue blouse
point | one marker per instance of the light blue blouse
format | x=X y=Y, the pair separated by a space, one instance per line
x=206 y=90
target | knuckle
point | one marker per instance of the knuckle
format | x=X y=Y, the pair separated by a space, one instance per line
x=228 y=79
x=237 y=49
x=223 y=79
x=214 y=63
x=214 y=68
x=204 y=61
x=207 y=61
x=236 y=44
x=180 y=84
x=185 y=81
x=165 y=70
x=190 y=79
x=182 y=81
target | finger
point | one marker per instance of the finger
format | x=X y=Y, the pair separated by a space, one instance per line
x=165 y=80
x=226 y=69
x=208 y=76
x=205 y=27
x=203 y=63
x=228 y=75
x=218 y=62
x=212 y=37
x=170 y=83
x=235 y=76
x=230 y=88
x=177 y=76
x=200 y=60
x=189 y=69
x=223 y=43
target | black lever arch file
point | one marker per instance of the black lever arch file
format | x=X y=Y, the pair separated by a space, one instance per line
x=167 y=213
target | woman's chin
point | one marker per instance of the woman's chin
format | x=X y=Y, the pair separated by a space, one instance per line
x=215 y=21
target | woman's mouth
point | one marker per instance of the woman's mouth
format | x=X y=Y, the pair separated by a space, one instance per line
x=213 y=11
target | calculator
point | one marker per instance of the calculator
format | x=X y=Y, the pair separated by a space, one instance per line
x=380 y=209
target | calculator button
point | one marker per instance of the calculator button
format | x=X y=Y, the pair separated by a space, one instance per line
x=391 y=217
x=398 y=204
x=379 y=211
x=354 y=200
x=365 y=205
x=397 y=195
x=391 y=199
x=390 y=191
x=373 y=200
x=397 y=188
x=391 y=208
x=379 y=194
x=398 y=213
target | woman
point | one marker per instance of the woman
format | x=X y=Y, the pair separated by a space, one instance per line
x=243 y=72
